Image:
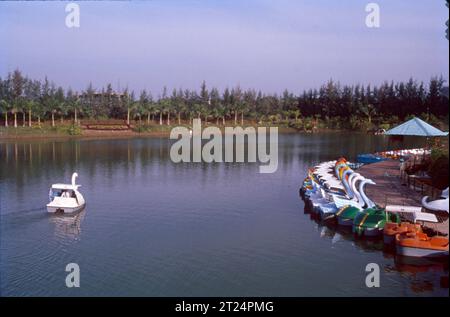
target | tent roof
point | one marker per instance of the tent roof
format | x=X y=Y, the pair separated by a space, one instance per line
x=416 y=127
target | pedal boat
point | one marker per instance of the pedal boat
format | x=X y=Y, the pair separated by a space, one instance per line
x=65 y=198
x=419 y=244
x=391 y=229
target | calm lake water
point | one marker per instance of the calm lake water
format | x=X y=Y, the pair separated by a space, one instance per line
x=155 y=228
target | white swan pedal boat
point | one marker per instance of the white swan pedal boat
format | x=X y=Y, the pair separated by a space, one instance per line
x=65 y=198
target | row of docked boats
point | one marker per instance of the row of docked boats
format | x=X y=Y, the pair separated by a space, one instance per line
x=334 y=191
x=394 y=154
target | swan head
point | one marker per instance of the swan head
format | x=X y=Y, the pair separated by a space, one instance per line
x=346 y=172
x=74 y=176
x=357 y=177
x=338 y=167
x=368 y=181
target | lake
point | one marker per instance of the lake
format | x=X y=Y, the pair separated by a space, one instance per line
x=152 y=227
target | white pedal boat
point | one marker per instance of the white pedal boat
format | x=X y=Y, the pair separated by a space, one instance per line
x=65 y=198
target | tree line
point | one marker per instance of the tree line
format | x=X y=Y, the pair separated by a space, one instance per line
x=24 y=100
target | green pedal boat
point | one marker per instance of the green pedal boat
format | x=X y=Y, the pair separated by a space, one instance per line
x=347 y=214
x=371 y=221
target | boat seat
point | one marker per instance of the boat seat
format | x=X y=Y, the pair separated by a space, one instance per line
x=439 y=241
x=425 y=216
x=422 y=236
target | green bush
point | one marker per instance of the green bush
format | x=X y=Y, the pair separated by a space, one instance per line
x=437 y=152
x=296 y=125
x=142 y=128
x=67 y=129
x=74 y=130
x=354 y=123
x=438 y=169
x=385 y=126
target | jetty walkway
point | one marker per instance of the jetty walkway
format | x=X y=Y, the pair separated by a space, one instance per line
x=392 y=188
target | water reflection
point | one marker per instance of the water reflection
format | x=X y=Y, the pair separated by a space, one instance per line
x=139 y=154
x=68 y=226
x=421 y=272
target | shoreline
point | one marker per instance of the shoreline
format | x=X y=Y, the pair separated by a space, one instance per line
x=109 y=134
x=85 y=134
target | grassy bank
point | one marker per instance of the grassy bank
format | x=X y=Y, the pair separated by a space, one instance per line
x=108 y=128
x=118 y=128
x=40 y=131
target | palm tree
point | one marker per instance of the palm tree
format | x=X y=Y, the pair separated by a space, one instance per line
x=61 y=105
x=87 y=101
x=153 y=109
x=243 y=108
x=76 y=108
x=178 y=104
x=17 y=91
x=164 y=107
x=181 y=108
x=51 y=102
x=72 y=104
x=369 y=111
x=14 y=112
x=23 y=110
x=214 y=104
x=198 y=110
x=296 y=114
x=53 y=111
x=167 y=110
x=150 y=112
x=32 y=91
x=158 y=110
x=44 y=98
x=29 y=105
x=4 y=107
x=236 y=99
x=5 y=96
x=143 y=105
x=127 y=104
x=39 y=112
x=223 y=113
x=216 y=113
x=138 y=110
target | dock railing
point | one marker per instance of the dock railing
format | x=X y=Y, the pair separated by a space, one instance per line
x=418 y=181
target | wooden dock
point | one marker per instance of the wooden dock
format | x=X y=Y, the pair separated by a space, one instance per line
x=392 y=189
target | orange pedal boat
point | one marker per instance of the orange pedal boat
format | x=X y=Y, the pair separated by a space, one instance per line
x=391 y=229
x=418 y=244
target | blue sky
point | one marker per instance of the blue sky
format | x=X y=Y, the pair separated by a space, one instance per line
x=261 y=44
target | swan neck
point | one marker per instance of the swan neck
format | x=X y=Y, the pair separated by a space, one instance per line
x=346 y=183
x=369 y=203
x=355 y=191
x=74 y=176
